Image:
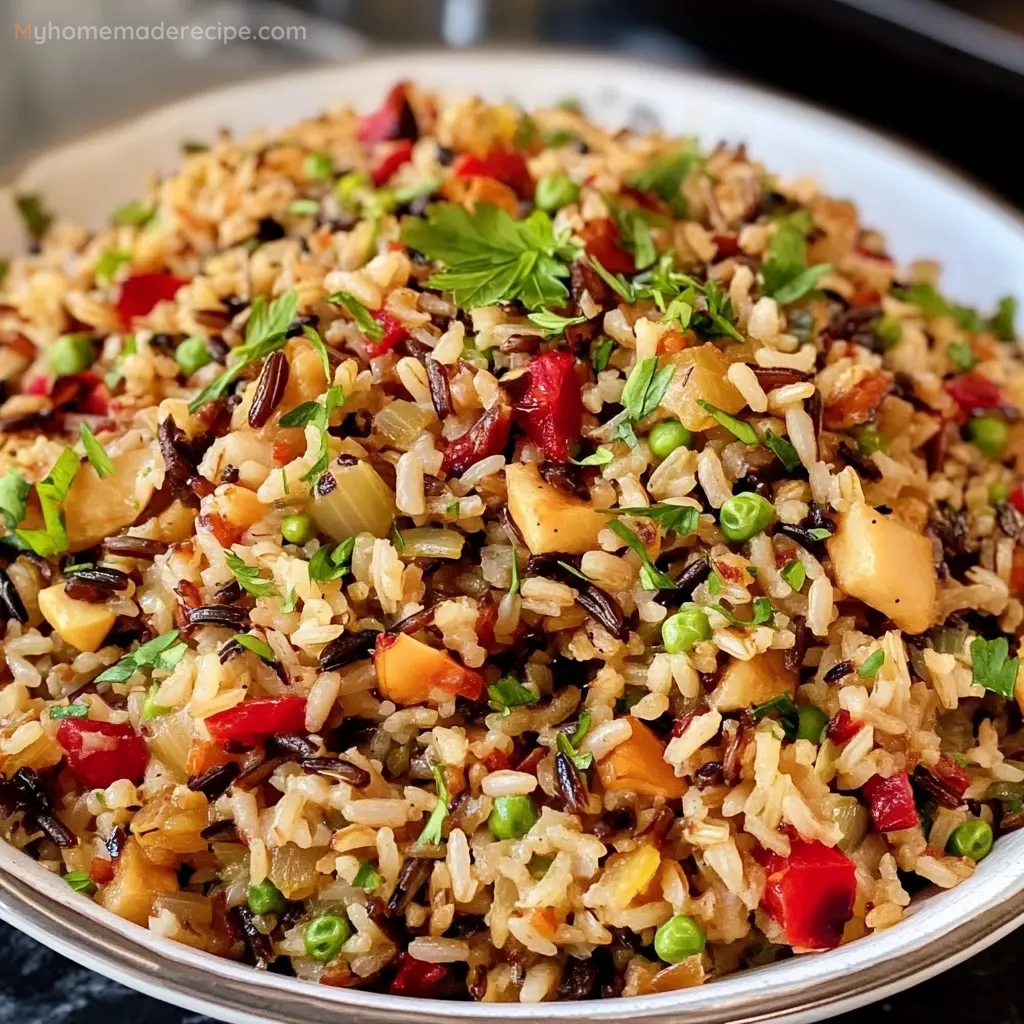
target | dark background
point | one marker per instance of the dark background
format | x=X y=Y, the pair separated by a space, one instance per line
x=948 y=76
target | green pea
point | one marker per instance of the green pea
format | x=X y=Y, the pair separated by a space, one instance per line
x=999 y=491
x=325 y=935
x=266 y=898
x=687 y=627
x=318 y=166
x=538 y=866
x=971 y=839
x=555 y=191
x=870 y=439
x=71 y=353
x=989 y=433
x=811 y=722
x=511 y=817
x=191 y=355
x=679 y=938
x=297 y=528
x=668 y=435
x=744 y=515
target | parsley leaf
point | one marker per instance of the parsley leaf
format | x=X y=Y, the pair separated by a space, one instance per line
x=362 y=316
x=819 y=533
x=737 y=427
x=681 y=518
x=77 y=710
x=52 y=490
x=665 y=175
x=782 y=449
x=513 y=588
x=794 y=574
x=786 y=274
x=431 y=834
x=645 y=388
x=109 y=263
x=258 y=647
x=569 y=745
x=36 y=218
x=301 y=415
x=961 y=355
x=318 y=343
x=489 y=257
x=1002 y=324
x=763 y=613
x=509 y=693
x=991 y=668
x=96 y=454
x=651 y=577
x=249 y=577
x=552 y=322
x=14 y=492
x=288 y=604
x=714 y=583
x=161 y=652
x=327 y=565
x=302 y=208
x=264 y=333
x=616 y=282
x=635 y=230
x=784 y=707
x=872 y=663
x=132 y=214
x=367 y=877
x=599 y=458
x=333 y=398
x=453 y=509
x=573 y=571
x=601 y=353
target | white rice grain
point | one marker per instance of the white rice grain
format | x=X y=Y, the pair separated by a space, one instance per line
x=509 y=783
x=746 y=383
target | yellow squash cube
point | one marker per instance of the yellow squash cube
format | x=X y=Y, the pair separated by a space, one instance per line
x=80 y=623
x=700 y=374
x=548 y=518
x=745 y=683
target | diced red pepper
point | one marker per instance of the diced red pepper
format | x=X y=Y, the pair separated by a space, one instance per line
x=394 y=120
x=878 y=257
x=101 y=870
x=395 y=332
x=37 y=385
x=974 y=393
x=727 y=245
x=94 y=402
x=496 y=760
x=488 y=436
x=1017 y=496
x=865 y=297
x=100 y=753
x=550 y=408
x=951 y=775
x=810 y=893
x=253 y=719
x=141 y=292
x=842 y=728
x=891 y=802
x=506 y=166
x=417 y=978
x=400 y=153
x=602 y=241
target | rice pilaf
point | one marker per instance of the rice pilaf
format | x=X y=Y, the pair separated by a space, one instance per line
x=474 y=554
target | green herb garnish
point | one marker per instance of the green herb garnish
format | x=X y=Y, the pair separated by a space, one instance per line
x=362 y=316
x=431 y=834
x=553 y=323
x=737 y=427
x=133 y=214
x=991 y=668
x=110 y=263
x=332 y=564
x=599 y=458
x=782 y=449
x=569 y=744
x=763 y=613
x=249 y=577
x=601 y=353
x=367 y=877
x=681 y=518
x=76 y=710
x=961 y=355
x=14 y=492
x=651 y=577
x=258 y=647
x=162 y=652
x=782 y=706
x=52 y=490
x=665 y=175
x=36 y=218
x=794 y=574
x=872 y=663
x=509 y=693
x=96 y=454
x=787 y=277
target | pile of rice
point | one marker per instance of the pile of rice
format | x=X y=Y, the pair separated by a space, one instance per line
x=875 y=419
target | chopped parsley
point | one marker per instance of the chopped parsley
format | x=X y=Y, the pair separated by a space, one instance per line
x=318 y=343
x=36 y=218
x=573 y=571
x=991 y=668
x=81 y=882
x=288 y=604
x=77 y=710
x=302 y=414
x=162 y=652
x=786 y=710
x=249 y=577
x=651 y=577
x=794 y=574
x=681 y=518
x=431 y=834
x=14 y=492
x=509 y=693
x=961 y=355
x=782 y=449
x=331 y=564
x=599 y=458
x=513 y=588
x=96 y=454
x=738 y=428
x=453 y=509
x=253 y=643
x=665 y=175
x=489 y=257
x=52 y=490
x=763 y=613
x=635 y=230
x=645 y=388
x=133 y=214
x=303 y=208
x=872 y=663
x=265 y=333
x=367 y=877
x=787 y=277
x=333 y=398
x=553 y=323
x=370 y=328
x=1002 y=323
x=819 y=533
x=570 y=744
x=110 y=263
x=601 y=353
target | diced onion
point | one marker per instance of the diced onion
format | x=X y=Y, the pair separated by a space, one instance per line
x=359 y=503
x=431 y=542
x=401 y=422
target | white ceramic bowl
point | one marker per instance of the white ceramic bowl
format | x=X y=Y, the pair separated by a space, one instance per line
x=924 y=209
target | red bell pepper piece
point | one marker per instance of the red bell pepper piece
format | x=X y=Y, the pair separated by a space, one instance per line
x=842 y=728
x=100 y=753
x=550 y=408
x=394 y=333
x=417 y=978
x=891 y=802
x=401 y=153
x=141 y=292
x=602 y=241
x=950 y=774
x=97 y=395
x=488 y=436
x=1017 y=496
x=506 y=166
x=253 y=719
x=394 y=120
x=1017 y=570
x=974 y=393
x=810 y=893
x=40 y=385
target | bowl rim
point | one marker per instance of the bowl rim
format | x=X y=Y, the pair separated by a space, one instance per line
x=967 y=919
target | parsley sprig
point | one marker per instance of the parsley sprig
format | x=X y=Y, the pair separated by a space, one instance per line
x=162 y=652
x=489 y=257
x=51 y=491
x=431 y=834
x=330 y=563
x=570 y=744
x=509 y=693
x=651 y=577
x=96 y=453
x=681 y=518
x=992 y=668
x=249 y=577
x=787 y=277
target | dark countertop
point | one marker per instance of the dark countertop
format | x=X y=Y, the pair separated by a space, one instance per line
x=44 y=988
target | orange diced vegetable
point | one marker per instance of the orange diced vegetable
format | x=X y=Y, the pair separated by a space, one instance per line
x=639 y=766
